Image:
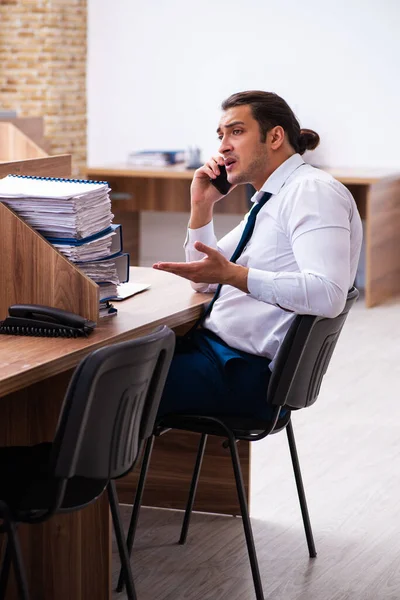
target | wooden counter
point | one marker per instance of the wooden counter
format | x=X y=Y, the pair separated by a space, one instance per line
x=69 y=557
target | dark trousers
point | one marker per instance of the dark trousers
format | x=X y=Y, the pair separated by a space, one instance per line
x=210 y=378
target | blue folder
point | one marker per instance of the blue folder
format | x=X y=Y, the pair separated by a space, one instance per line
x=121 y=260
x=116 y=245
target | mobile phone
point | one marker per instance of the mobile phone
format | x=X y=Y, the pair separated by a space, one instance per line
x=221 y=181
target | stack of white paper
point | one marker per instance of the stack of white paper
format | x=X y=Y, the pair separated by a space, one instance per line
x=101 y=271
x=107 y=290
x=59 y=208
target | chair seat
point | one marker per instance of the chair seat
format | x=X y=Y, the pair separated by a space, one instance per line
x=240 y=426
x=27 y=482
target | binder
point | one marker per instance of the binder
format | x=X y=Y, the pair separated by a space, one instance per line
x=116 y=246
x=121 y=270
x=103 y=244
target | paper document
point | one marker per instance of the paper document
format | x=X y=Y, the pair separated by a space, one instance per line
x=126 y=290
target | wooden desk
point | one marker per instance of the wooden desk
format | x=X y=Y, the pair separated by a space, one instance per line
x=69 y=557
x=377 y=193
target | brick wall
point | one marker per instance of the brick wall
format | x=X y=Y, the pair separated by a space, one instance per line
x=43 y=69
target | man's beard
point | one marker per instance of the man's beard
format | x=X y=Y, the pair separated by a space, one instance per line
x=257 y=164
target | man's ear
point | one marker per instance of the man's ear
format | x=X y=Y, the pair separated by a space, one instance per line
x=276 y=137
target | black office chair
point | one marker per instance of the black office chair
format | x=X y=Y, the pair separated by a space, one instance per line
x=300 y=365
x=108 y=412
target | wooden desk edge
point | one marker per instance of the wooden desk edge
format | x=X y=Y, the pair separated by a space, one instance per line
x=59 y=365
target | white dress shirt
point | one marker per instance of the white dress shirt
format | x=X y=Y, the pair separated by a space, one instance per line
x=302 y=258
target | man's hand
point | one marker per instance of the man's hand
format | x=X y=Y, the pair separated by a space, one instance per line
x=203 y=194
x=213 y=268
x=201 y=189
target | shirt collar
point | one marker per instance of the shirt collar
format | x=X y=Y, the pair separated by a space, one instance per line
x=278 y=178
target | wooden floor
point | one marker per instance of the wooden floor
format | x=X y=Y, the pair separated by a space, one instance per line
x=349 y=447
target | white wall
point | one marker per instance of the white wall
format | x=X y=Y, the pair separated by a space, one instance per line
x=158 y=70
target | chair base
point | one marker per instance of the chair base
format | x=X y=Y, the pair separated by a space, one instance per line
x=123 y=550
x=136 y=506
x=210 y=425
x=300 y=491
x=12 y=555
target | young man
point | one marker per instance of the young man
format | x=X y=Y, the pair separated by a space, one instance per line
x=301 y=257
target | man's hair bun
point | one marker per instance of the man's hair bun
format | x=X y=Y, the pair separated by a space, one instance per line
x=308 y=140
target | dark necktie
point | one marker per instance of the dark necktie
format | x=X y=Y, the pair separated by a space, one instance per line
x=246 y=235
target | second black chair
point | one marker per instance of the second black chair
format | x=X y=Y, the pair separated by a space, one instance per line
x=301 y=363
x=108 y=412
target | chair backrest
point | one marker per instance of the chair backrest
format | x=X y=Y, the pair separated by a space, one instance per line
x=304 y=356
x=110 y=407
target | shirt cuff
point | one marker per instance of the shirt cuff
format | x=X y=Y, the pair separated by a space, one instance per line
x=261 y=285
x=202 y=234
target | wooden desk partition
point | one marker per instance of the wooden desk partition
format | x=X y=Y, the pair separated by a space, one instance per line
x=32 y=271
x=376 y=191
x=50 y=166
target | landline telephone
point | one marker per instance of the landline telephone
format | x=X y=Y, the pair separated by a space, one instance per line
x=44 y=321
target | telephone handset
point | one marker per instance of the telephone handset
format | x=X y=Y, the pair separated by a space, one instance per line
x=221 y=181
x=44 y=321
